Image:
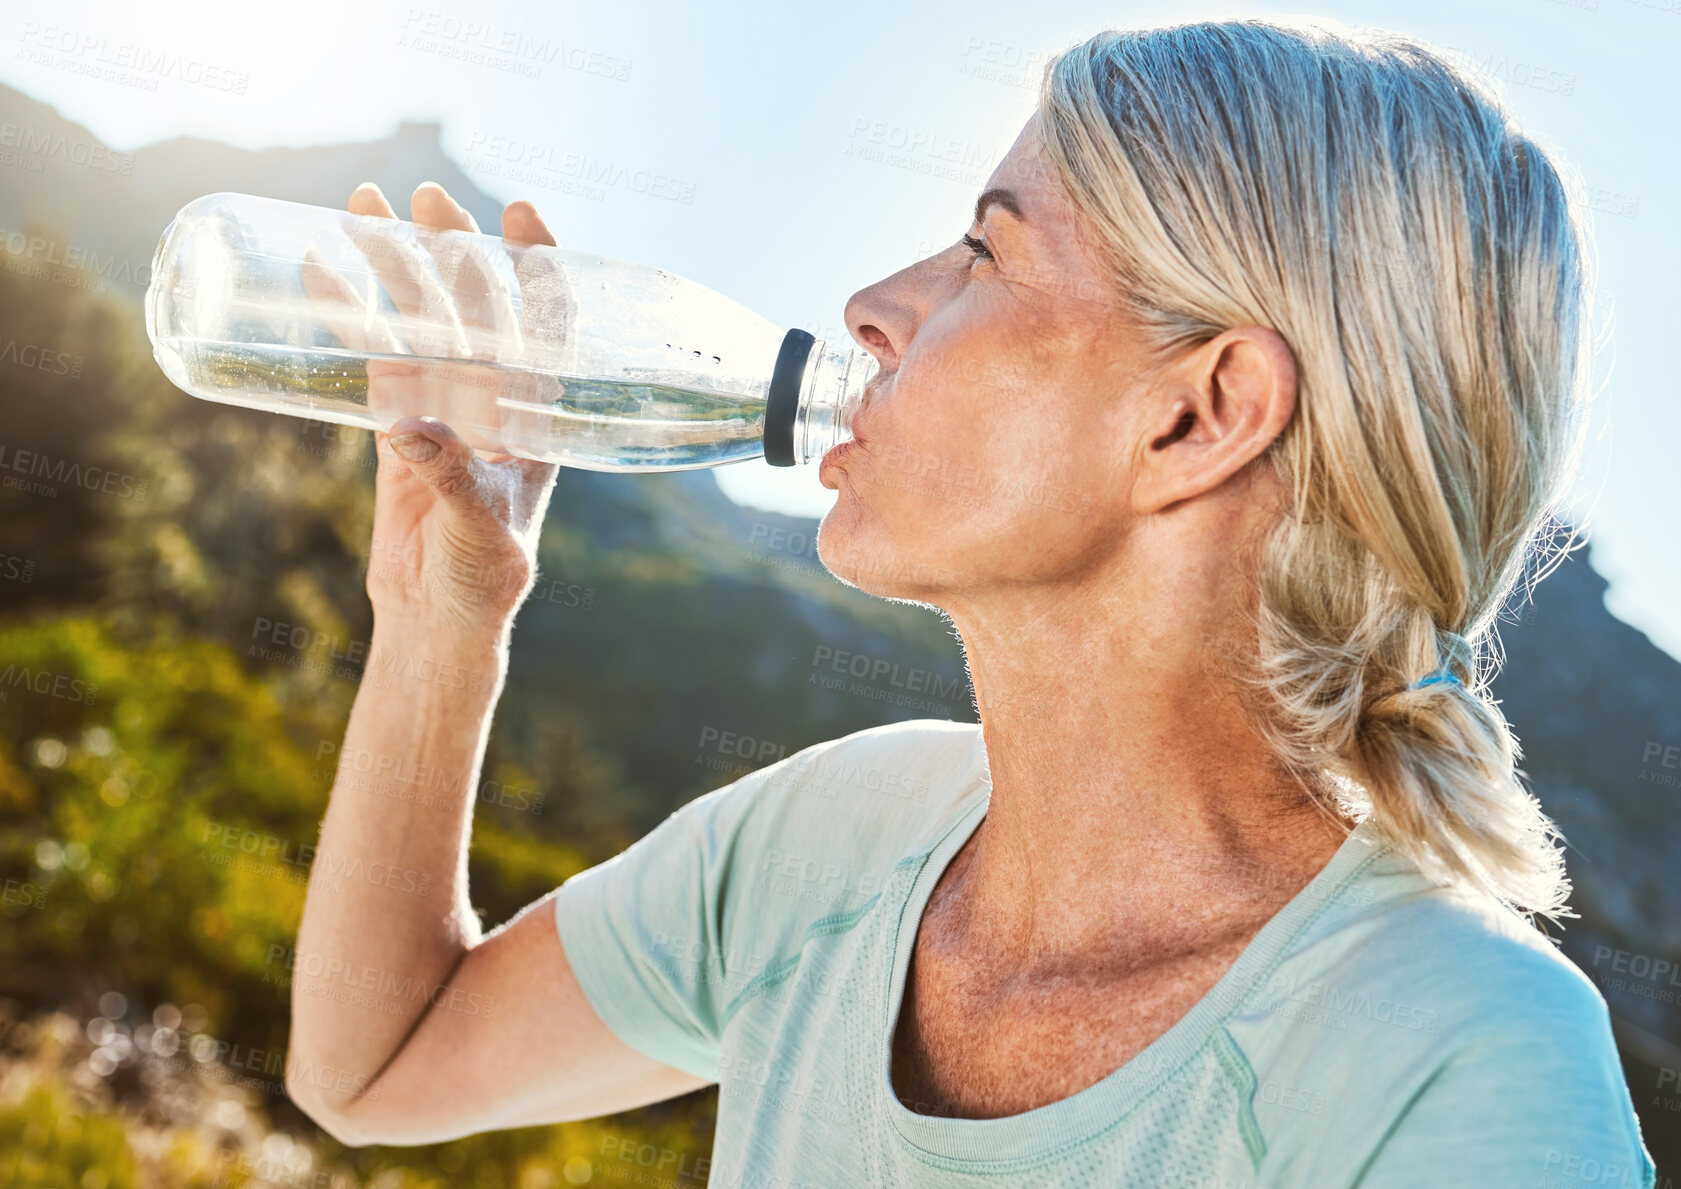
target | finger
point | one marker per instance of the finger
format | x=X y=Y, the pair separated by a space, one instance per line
x=427 y=320
x=475 y=280
x=340 y=306
x=408 y=272
x=482 y=292
x=475 y=275
x=333 y=300
x=399 y=388
x=520 y=221
x=404 y=267
x=369 y=199
x=548 y=317
x=439 y=458
x=548 y=309
x=431 y=206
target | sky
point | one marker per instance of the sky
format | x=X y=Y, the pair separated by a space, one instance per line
x=790 y=154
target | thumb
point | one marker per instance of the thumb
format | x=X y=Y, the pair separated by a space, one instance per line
x=439 y=458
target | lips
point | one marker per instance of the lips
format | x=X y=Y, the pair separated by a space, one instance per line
x=834 y=455
x=862 y=413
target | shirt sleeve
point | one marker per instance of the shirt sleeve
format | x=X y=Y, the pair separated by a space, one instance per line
x=669 y=939
x=1517 y=1109
x=643 y=932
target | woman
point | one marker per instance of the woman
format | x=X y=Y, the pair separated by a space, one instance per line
x=1222 y=438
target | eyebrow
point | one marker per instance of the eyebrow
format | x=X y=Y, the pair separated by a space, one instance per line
x=1003 y=198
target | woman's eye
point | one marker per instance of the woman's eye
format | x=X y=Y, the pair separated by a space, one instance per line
x=977 y=248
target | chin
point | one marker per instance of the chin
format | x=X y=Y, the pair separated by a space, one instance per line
x=839 y=549
x=832 y=547
x=858 y=551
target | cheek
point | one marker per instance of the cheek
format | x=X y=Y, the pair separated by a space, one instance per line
x=964 y=387
x=984 y=453
x=988 y=415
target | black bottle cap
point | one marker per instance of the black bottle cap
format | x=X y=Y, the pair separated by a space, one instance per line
x=783 y=404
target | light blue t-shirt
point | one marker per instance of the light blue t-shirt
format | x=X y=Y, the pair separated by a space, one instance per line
x=1379 y=1031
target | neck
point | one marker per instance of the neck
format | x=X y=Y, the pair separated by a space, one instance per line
x=1134 y=806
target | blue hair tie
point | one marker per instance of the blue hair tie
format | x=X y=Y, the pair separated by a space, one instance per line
x=1439 y=677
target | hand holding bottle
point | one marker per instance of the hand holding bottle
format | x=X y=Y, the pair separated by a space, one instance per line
x=455 y=530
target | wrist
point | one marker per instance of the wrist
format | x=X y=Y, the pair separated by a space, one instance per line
x=421 y=653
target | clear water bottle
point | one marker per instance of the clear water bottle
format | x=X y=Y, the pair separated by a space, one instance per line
x=524 y=349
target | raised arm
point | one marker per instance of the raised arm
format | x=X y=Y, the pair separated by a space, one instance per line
x=408 y=1025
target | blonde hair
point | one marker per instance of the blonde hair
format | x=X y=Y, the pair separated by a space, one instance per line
x=1426 y=265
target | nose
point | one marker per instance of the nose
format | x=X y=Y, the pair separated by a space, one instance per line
x=884 y=317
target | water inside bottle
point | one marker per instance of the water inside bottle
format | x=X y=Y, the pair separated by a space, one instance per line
x=591 y=423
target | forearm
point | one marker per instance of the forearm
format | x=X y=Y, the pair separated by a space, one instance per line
x=387 y=915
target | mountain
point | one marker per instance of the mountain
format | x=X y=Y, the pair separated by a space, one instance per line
x=111 y=207
x=1597 y=708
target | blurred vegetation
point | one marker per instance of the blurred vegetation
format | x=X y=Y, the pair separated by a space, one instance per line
x=143 y=534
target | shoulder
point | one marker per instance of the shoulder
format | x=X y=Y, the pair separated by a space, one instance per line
x=669 y=935
x=1463 y=1027
x=1526 y=1077
x=865 y=801
x=1461 y=964
x=885 y=784
x=1484 y=969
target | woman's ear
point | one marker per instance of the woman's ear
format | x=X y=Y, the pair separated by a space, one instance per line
x=1212 y=411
